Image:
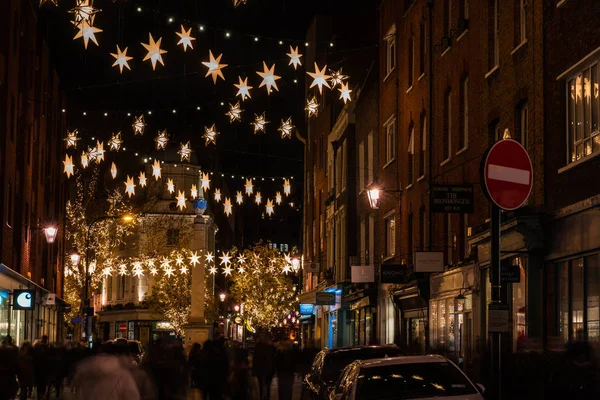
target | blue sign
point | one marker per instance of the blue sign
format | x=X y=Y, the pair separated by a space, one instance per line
x=77 y=320
x=307 y=309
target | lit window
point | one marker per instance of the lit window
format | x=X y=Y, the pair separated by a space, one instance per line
x=390 y=57
x=390 y=236
x=390 y=139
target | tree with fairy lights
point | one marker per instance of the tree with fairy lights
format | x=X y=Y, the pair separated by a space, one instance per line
x=105 y=236
x=263 y=285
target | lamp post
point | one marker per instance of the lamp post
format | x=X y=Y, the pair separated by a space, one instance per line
x=50 y=233
x=127 y=218
x=374 y=194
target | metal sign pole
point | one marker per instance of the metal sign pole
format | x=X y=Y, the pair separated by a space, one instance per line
x=495 y=274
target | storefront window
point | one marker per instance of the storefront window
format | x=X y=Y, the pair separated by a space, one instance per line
x=442 y=332
x=563 y=286
x=519 y=304
x=577 y=298
x=592 y=281
x=368 y=324
x=451 y=327
x=433 y=322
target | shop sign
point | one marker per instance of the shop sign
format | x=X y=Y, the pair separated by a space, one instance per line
x=363 y=274
x=448 y=199
x=76 y=320
x=325 y=298
x=429 y=261
x=312 y=267
x=364 y=302
x=509 y=273
x=307 y=309
x=392 y=273
x=23 y=299
x=498 y=318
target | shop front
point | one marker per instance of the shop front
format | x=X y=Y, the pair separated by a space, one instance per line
x=135 y=324
x=362 y=306
x=412 y=302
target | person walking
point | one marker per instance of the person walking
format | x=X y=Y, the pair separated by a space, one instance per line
x=41 y=367
x=239 y=367
x=193 y=361
x=263 y=365
x=9 y=357
x=25 y=370
x=285 y=365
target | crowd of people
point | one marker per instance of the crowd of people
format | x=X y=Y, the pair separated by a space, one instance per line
x=218 y=369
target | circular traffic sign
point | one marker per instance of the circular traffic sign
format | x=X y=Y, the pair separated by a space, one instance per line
x=507 y=174
x=122 y=328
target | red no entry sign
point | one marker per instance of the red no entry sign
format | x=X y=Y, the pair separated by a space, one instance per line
x=122 y=328
x=507 y=174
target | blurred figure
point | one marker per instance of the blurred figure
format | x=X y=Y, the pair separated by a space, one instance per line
x=309 y=352
x=25 y=370
x=59 y=367
x=104 y=377
x=142 y=379
x=263 y=365
x=239 y=367
x=193 y=364
x=578 y=377
x=9 y=357
x=285 y=365
x=41 y=367
x=214 y=370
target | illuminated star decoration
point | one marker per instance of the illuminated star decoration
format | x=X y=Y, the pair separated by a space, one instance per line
x=205 y=182
x=210 y=135
x=241 y=259
x=87 y=32
x=258 y=198
x=319 y=78
x=99 y=151
x=180 y=200
x=194 y=191
x=42 y=2
x=269 y=78
x=129 y=186
x=239 y=198
x=294 y=57
x=170 y=185
x=287 y=268
x=209 y=257
x=241 y=269
x=345 y=92
x=69 y=167
x=84 y=160
x=243 y=88
x=212 y=270
x=161 y=140
x=214 y=68
x=139 y=125
x=185 y=39
x=115 y=142
x=142 y=179
x=72 y=138
x=238 y=2
x=107 y=271
x=165 y=263
x=194 y=259
x=122 y=269
x=228 y=207
x=121 y=59
x=153 y=271
x=269 y=207
x=259 y=123
x=337 y=78
x=287 y=188
x=249 y=187
x=156 y=169
x=312 y=107
x=235 y=112
x=183 y=269
x=179 y=260
x=185 y=152
x=92 y=154
x=278 y=198
x=169 y=272
x=225 y=259
x=227 y=270
x=217 y=195
x=113 y=170
x=286 y=128
x=154 y=51
x=84 y=11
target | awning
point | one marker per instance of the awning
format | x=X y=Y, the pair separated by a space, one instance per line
x=4 y=270
x=412 y=296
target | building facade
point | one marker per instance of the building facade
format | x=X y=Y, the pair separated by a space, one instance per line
x=32 y=197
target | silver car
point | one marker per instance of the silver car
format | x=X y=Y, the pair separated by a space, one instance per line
x=405 y=378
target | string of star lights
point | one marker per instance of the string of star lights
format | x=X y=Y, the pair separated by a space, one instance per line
x=183 y=261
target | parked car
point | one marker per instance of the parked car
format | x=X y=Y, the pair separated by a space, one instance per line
x=405 y=378
x=329 y=364
x=135 y=348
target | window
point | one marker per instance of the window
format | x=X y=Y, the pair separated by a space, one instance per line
x=423 y=144
x=361 y=166
x=121 y=287
x=411 y=152
x=422 y=228
x=447 y=17
x=109 y=288
x=390 y=140
x=422 y=48
x=494 y=35
x=592 y=281
x=463 y=137
x=449 y=238
x=315 y=244
x=411 y=60
x=370 y=260
x=494 y=131
x=411 y=244
x=390 y=56
x=464 y=10
x=370 y=165
x=390 y=236
x=524 y=124
x=583 y=108
x=172 y=237
x=521 y=21
x=363 y=241
x=447 y=125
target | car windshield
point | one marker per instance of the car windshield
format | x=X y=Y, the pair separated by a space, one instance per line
x=134 y=348
x=412 y=381
x=336 y=362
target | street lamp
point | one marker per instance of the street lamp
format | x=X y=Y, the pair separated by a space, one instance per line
x=374 y=195
x=222 y=297
x=296 y=264
x=236 y=308
x=75 y=257
x=50 y=232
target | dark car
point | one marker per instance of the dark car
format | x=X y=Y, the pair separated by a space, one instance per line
x=136 y=350
x=329 y=364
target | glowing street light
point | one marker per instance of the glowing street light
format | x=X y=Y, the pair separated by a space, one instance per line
x=236 y=308
x=50 y=232
x=296 y=264
x=75 y=257
x=222 y=297
x=374 y=195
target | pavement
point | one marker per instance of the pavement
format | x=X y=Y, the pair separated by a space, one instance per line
x=194 y=394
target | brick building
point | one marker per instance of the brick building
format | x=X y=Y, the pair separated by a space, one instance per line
x=32 y=195
x=571 y=147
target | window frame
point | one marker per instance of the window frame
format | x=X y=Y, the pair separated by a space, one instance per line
x=464 y=114
x=411 y=61
x=496 y=34
x=423 y=141
x=390 y=148
x=522 y=21
x=361 y=166
x=390 y=235
x=524 y=124
x=391 y=51
x=410 y=159
x=447 y=149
